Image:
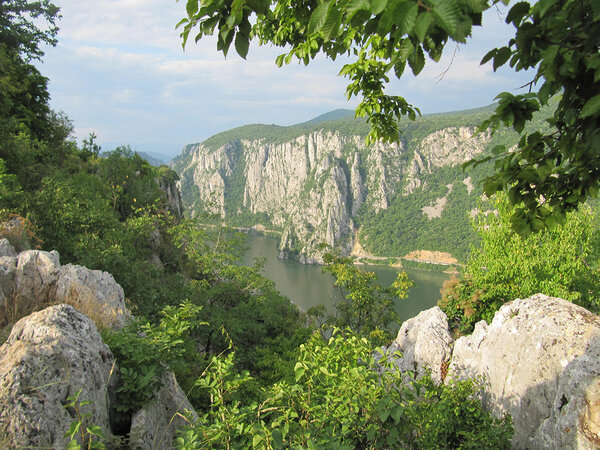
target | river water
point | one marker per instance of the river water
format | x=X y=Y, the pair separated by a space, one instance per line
x=307 y=286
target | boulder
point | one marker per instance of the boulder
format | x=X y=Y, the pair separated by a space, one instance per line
x=6 y=249
x=538 y=360
x=154 y=426
x=425 y=344
x=49 y=356
x=94 y=293
x=34 y=280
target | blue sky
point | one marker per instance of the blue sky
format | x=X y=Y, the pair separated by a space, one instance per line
x=119 y=71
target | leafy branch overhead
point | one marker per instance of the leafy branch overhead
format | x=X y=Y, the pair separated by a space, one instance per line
x=547 y=175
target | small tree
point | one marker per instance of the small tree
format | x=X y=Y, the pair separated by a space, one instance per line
x=367 y=308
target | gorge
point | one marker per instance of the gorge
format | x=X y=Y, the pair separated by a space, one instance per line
x=320 y=186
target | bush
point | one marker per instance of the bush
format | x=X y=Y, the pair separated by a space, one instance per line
x=561 y=262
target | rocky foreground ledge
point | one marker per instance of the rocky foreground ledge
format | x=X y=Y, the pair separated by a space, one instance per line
x=539 y=361
x=56 y=352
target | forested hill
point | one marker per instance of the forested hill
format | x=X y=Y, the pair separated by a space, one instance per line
x=317 y=182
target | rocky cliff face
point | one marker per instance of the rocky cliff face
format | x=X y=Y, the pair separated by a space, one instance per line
x=314 y=186
x=173 y=195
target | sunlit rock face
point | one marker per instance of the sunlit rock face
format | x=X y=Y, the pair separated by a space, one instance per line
x=538 y=360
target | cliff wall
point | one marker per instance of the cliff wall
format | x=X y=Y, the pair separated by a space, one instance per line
x=321 y=185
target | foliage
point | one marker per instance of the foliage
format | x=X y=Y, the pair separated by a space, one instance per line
x=144 y=351
x=368 y=309
x=551 y=173
x=70 y=207
x=341 y=398
x=21 y=24
x=80 y=428
x=561 y=262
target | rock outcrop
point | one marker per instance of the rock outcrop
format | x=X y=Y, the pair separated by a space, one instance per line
x=155 y=425
x=173 y=196
x=57 y=353
x=34 y=279
x=425 y=344
x=532 y=347
x=49 y=356
x=94 y=293
x=539 y=361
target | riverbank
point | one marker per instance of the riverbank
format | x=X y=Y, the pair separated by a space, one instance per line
x=420 y=259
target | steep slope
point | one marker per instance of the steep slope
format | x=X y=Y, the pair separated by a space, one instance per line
x=319 y=183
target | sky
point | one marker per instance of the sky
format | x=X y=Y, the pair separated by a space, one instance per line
x=119 y=71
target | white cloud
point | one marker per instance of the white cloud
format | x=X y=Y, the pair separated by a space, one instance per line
x=119 y=69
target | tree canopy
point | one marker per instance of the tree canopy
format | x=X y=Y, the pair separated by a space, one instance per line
x=548 y=174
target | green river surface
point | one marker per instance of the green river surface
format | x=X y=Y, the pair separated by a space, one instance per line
x=306 y=285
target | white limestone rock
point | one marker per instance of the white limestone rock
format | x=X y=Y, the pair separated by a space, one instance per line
x=425 y=344
x=51 y=355
x=94 y=293
x=535 y=352
x=154 y=426
x=6 y=249
x=34 y=280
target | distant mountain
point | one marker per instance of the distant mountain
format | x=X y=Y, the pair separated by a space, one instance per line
x=154 y=158
x=317 y=182
x=331 y=115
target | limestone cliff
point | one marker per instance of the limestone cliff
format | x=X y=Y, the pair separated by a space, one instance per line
x=314 y=183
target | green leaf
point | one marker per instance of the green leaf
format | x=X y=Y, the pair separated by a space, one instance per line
x=191 y=7
x=417 y=60
x=277 y=439
x=73 y=445
x=422 y=25
x=256 y=440
x=488 y=56
x=258 y=6
x=591 y=107
x=332 y=22
x=448 y=14
x=517 y=12
x=318 y=17
x=501 y=56
x=299 y=370
x=377 y=6
x=242 y=44
x=388 y=19
x=406 y=13
x=399 y=68
x=542 y=6
x=354 y=6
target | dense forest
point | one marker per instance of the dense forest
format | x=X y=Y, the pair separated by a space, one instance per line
x=261 y=373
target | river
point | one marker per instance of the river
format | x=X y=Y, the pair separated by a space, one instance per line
x=307 y=286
